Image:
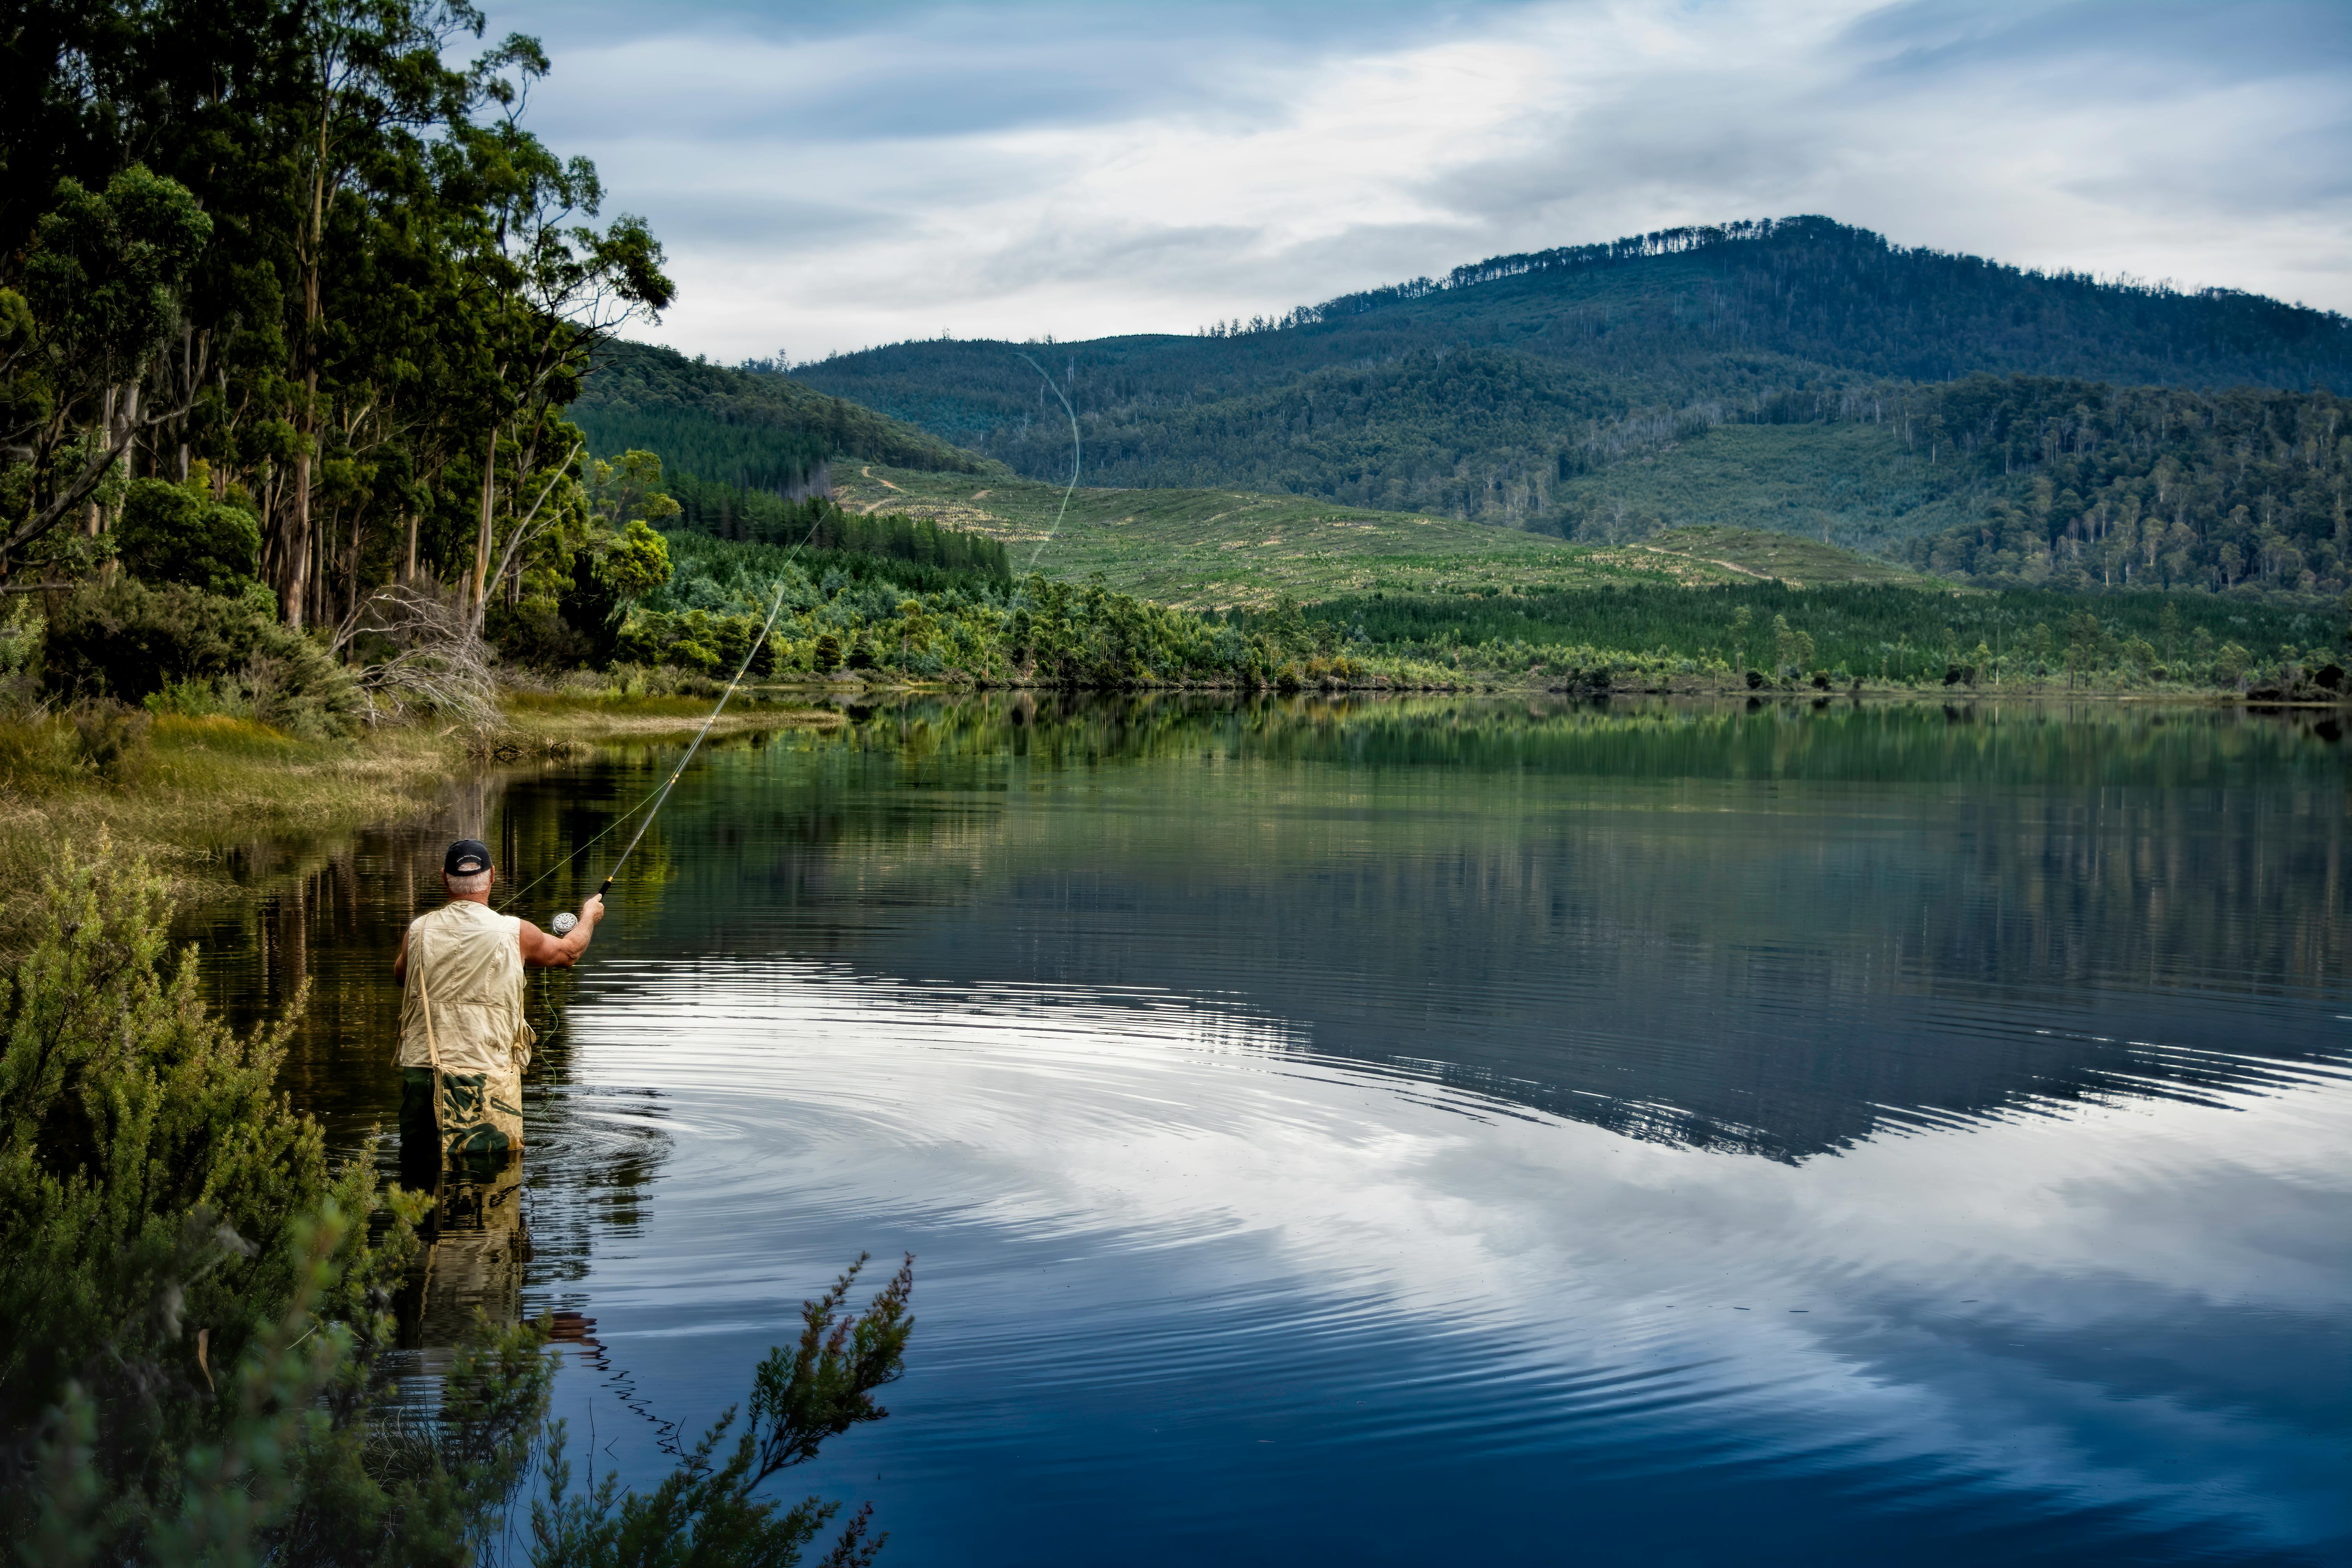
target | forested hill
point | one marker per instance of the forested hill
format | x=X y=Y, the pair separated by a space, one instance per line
x=1480 y=394
x=732 y=427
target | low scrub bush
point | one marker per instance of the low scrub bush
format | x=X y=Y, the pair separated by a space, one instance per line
x=126 y=641
x=660 y=681
x=36 y=755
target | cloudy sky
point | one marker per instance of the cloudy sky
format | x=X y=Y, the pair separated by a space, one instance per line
x=829 y=177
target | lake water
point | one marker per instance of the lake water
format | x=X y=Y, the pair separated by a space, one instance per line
x=1409 y=1130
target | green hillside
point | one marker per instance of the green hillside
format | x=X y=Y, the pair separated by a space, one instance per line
x=1198 y=548
x=1799 y=375
x=1851 y=484
x=1793 y=560
x=733 y=427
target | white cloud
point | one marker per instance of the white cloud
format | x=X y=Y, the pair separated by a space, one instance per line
x=1024 y=170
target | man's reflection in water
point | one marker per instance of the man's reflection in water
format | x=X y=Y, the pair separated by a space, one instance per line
x=475 y=1238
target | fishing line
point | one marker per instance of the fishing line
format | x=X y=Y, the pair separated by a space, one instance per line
x=696 y=745
x=1072 y=487
x=510 y=900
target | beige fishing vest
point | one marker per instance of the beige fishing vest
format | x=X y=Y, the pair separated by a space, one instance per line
x=466 y=964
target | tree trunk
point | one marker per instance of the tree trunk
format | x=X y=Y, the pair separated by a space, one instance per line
x=296 y=589
x=298 y=552
x=351 y=578
x=188 y=392
x=106 y=418
x=479 y=584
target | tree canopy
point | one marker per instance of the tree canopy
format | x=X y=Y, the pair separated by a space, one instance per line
x=299 y=261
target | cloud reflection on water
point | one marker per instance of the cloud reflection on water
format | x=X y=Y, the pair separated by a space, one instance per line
x=2020 y=1318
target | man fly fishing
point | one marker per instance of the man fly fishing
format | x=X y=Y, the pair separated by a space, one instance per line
x=463 y=1040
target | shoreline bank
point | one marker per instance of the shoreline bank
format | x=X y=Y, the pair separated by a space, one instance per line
x=188 y=790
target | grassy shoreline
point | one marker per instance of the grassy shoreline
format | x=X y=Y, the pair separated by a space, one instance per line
x=197 y=787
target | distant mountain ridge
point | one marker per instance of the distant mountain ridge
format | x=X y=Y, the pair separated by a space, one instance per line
x=1982 y=316
x=1989 y=422
x=1571 y=390
x=1727 y=316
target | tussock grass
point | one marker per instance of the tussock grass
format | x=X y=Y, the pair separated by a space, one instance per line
x=202 y=784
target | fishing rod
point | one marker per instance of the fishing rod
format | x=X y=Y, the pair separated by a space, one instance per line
x=563 y=922
x=671 y=783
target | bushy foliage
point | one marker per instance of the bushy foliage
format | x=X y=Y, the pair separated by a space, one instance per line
x=697 y=640
x=705 y=1510
x=124 y=640
x=171 y=1238
x=177 y=533
x=974 y=629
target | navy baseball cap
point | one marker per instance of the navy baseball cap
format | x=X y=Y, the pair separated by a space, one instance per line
x=466 y=858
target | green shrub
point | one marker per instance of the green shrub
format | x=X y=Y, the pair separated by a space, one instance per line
x=715 y=644
x=124 y=640
x=128 y=641
x=178 y=534
x=20 y=637
x=292 y=684
x=193 y=698
x=170 y=1232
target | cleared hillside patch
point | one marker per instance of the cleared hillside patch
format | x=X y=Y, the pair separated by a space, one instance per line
x=1202 y=548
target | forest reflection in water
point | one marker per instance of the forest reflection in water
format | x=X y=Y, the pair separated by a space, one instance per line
x=894 y=984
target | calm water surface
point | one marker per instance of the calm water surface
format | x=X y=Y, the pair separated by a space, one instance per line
x=1402 y=1132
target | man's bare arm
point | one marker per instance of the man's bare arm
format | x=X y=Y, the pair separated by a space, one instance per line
x=400 y=962
x=541 y=951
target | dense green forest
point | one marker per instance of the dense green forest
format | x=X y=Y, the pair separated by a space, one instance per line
x=728 y=511
x=1847 y=632
x=863 y=613
x=2017 y=480
x=302 y=266
x=2094 y=484
x=750 y=431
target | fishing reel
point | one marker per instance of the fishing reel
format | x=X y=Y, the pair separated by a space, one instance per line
x=561 y=924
